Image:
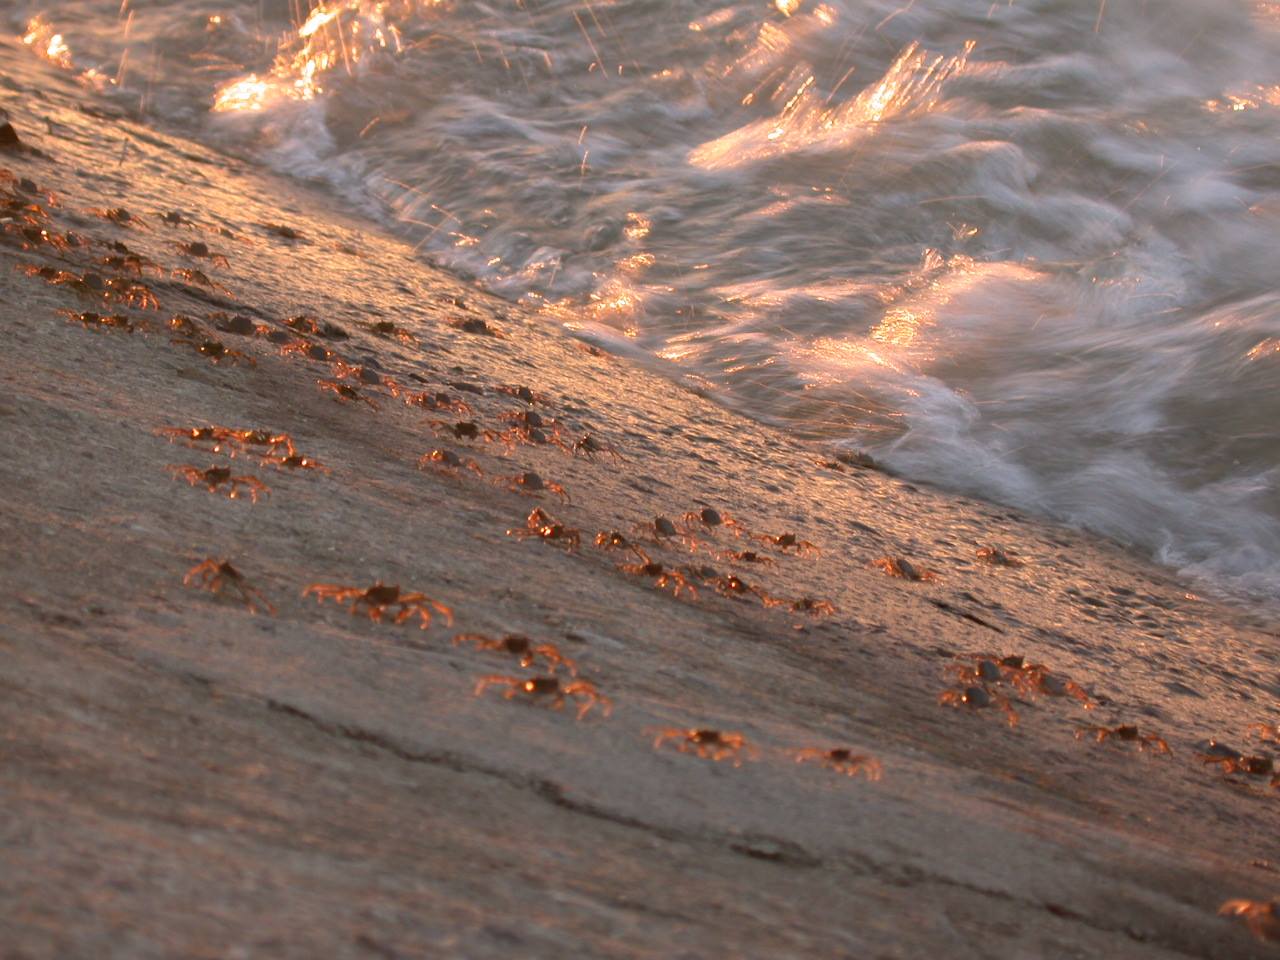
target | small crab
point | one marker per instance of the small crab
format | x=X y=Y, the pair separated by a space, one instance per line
x=216 y=350
x=842 y=760
x=385 y=328
x=612 y=540
x=903 y=568
x=662 y=576
x=314 y=326
x=996 y=557
x=439 y=400
x=541 y=525
x=175 y=219
x=523 y=394
x=447 y=461
x=549 y=688
x=786 y=542
x=812 y=606
x=732 y=585
x=345 y=392
x=295 y=461
x=119 y=216
x=588 y=446
x=529 y=482
x=131 y=292
x=97 y=321
x=377 y=599
x=746 y=556
x=1127 y=733
x=132 y=263
x=1262 y=917
x=200 y=250
x=709 y=519
x=519 y=646
x=476 y=325
x=1231 y=760
x=304 y=348
x=187 y=275
x=1265 y=731
x=217 y=575
x=216 y=477
x=29 y=237
x=977 y=697
x=1028 y=678
x=661 y=528
x=707 y=743
x=464 y=430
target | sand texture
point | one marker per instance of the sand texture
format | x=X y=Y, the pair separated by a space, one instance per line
x=183 y=777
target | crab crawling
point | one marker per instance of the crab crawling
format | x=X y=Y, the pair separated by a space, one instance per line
x=98 y=321
x=218 y=575
x=842 y=760
x=977 y=697
x=522 y=647
x=708 y=518
x=787 y=542
x=903 y=568
x=229 y=440
x=1027 y=678
x=448 y=462
x=376 y=600
x=549 y=689
x=997 y=557
x=1230 y=760
x=1262 y=917
x=215 y=478
x=1127 y=733
x=542 y=525
x=707 y=743
x=531 y=483
x=662 y=575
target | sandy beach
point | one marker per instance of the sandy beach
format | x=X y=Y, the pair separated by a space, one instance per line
x=183 y=776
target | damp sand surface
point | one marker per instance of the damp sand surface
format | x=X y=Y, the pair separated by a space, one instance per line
x=184 y=777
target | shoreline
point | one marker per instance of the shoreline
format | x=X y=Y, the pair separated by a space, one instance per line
x=191 y=778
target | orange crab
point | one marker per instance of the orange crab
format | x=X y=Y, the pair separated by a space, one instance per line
x=215 y=477
x=345 y=392
x=522 y=647
x=707 y=743
x=903 y=568
x=549 y=689
x=1126 y=733
x=448 y=462
x=842 y=760
x=531 y=483
x=662 y=576
x=787 y=542
x=542 y=525
x=709 y=519
x=217 y=575
x=377 y=599
x=977 y=697
x=1262 y=917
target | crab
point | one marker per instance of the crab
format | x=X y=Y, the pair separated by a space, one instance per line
x=119 y=216
x=304 y=348
x=314 y=326
x=709 y=519
x=464 y=430
x=1028 y=678
x=996 y=557
x=588 y=446
x=345 y=392
x=813 y=607
x=1127 y=733
x=612 y=540
x=549 y=688
x=903 y=568
x=446 y=461
x=295 y=461
x=387 y=329
x=842 y=760
x=542 y=525
x=188 y=275
x=522 y=647
x=215 y=350
x=707 y=743
x=214 y=478
x=229 y=441
x=29 y=237
x=476 y=325
x=175 y=219
x=375 y=601
x=732 y=585
x=131 y=263
x=200 y=250
x=529 y=482
x=978 y=697
x=1262 y=917
x=746 y=556
x=183 y=325
x=661 y=528
x=97 y=321
x=1265 y=731
x=662 y=576
x=217 y=575
x=440 y=400
x=786 y=542
x=1231 y=760
x=131 y=292
x=523 y=394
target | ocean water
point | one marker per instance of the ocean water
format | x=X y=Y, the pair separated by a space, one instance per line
x=1025 y=249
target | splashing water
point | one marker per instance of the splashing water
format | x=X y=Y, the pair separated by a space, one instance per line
x=1025 y=249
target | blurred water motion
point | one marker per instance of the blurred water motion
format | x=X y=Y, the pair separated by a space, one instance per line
x=1025 y=249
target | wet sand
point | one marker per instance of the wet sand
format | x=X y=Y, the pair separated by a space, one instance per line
x=184 y=777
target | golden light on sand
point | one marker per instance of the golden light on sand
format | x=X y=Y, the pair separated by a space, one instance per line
x=41 y=37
